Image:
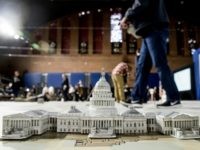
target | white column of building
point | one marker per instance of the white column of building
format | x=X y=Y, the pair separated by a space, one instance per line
x=27 y=123
x=184 y=124
x=99 y=124
x=92 y=123
x=189 y=124
x=111 y=123
x=107 y=123
x=18 y=124
x=118 y=123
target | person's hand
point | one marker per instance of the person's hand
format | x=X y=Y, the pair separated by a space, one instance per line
x=123 y=23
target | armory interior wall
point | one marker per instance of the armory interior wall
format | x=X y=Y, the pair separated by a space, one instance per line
x=79 y=63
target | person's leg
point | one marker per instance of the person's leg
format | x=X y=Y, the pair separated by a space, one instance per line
x=120 y=87
x=157 y=46
x=143 y=68
x=116 y=95
x=64 y=93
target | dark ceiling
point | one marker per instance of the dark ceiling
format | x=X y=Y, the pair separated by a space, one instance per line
x=36 y=12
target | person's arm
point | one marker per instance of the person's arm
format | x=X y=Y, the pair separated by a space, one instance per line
x=137 y=9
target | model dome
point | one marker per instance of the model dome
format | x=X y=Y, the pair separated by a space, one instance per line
x=102 y=84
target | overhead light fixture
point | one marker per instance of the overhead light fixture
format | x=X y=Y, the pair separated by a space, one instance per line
x=6 y=29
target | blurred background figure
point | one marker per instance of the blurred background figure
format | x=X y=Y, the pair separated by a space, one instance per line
x=65 y=87
x=30 y=92
x=8 y=90
x=79 y=91
x=48 y=93
x=17 y=83
x=71 y=95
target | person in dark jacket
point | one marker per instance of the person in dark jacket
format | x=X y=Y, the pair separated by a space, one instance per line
x=16 y=83
x=65 y=87
x=150 y=19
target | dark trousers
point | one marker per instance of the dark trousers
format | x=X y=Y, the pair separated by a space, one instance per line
x=153 y=52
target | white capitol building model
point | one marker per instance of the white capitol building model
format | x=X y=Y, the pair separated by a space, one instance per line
x=101 y=119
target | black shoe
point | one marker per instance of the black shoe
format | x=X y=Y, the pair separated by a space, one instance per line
x=177 y=102
x=167 y=103
x=127 y=101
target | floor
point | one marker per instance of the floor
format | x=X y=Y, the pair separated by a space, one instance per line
x=142 y=142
